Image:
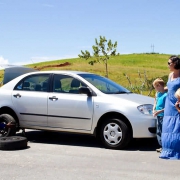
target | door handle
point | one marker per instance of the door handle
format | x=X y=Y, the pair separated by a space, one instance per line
x=54 y=98
x=17 y=95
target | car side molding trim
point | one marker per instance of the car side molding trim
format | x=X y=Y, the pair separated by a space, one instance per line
x=29 y=114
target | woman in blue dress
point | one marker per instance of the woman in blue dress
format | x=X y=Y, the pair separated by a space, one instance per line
x=171 y=120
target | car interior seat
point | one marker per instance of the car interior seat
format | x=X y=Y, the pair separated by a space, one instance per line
x=57 y=86
x=44 y=86
x=38 y=87
x=75 y=84
x=26 y=86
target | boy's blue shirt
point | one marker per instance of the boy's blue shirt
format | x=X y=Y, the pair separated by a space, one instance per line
x=160 y=101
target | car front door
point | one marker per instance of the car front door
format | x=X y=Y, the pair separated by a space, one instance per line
x=30 y=100
x=66 y=107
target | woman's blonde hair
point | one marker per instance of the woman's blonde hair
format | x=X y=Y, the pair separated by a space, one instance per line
x=177 y=93
x=158 y=81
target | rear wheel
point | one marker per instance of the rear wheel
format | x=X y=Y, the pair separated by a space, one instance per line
x=115 y=134
x=6 y=118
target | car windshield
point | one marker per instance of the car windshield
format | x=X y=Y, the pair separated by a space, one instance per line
x=105 y=85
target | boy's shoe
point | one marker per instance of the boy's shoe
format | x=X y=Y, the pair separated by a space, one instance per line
x=159 y=150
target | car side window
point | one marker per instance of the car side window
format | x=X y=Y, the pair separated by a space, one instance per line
x=66 y=84
x=38 y=82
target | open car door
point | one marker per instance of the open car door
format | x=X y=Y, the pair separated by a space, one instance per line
x=11 y=72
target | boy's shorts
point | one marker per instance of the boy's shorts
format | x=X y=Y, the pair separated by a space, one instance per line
x=159 y=129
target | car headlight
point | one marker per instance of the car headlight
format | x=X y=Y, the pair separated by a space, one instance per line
x=146 y=109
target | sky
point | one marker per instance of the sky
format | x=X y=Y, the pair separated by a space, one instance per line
x=32 y=31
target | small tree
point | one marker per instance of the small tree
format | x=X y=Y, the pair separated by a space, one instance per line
x=102 y=51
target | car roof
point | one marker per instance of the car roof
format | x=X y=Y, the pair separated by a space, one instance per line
x=70 y=72
x=65 y=71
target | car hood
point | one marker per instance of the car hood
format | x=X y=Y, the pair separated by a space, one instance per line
x=136 y=98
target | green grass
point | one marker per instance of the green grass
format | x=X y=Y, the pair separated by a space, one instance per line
x=151 y=65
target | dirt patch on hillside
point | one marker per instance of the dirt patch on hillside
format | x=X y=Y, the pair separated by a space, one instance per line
x=55 y=65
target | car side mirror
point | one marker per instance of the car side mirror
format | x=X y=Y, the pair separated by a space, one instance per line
x=85 y=90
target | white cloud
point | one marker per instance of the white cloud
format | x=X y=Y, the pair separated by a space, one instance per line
x=52 y=58
x=37 y=59
x=3 y=61
x=48 y=5
x=43 y=58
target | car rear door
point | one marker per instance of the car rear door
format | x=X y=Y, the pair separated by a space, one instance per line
x=66 y=107
x=30 y=100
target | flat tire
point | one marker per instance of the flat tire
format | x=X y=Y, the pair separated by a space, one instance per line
x=13 y=143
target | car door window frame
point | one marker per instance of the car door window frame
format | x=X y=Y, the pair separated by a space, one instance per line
x=62 y=88
x=33 y=87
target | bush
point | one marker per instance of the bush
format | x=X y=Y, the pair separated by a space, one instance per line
x=143 y=85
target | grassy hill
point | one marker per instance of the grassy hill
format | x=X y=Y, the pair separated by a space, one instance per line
x=135 y=66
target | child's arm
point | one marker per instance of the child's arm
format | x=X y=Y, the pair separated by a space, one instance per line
x=158 y=112
x=154 y=107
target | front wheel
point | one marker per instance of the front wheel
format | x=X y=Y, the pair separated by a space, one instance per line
x=114 y=134
x=6 y=118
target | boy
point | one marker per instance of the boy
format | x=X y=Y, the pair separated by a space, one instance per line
x=158 y=108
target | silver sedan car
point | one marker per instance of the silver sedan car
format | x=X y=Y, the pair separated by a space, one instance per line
x=78 y=102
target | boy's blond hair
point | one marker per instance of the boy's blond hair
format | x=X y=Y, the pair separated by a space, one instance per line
x=177 y=93
x=158 y=81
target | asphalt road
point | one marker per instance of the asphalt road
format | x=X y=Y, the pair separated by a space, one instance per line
x=52 y=155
